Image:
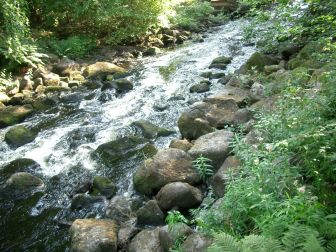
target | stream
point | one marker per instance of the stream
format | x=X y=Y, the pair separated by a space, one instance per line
x=83 y=120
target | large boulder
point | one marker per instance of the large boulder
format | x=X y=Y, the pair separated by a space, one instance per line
x=196 y=243
x=150 y=214
x=123 y=148
x=102 y=68
x=127 y=230
x=50 y=79
x=215 y=146
x=219 y=180
x=119 y=209
x=168 y=236
x=82 y=201
x=91 y=235
x=18 y=165
x=146 y=241
x=4 y=98
x=179 y=195
x=14 y=114
x=257 y=92
x=166 y=166
x=257 y=61
x=18 y=136
x=203 y=86
x=149 y=130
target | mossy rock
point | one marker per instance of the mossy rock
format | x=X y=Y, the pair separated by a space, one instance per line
x=150 y=130
x=18 y=165
x=103 y=186
x=19 y=136
x=102 y=68
x=221 y=62
x=257 y=61
x=122 y=149
x=14 y=114
x=23 y=181
x=203 y=86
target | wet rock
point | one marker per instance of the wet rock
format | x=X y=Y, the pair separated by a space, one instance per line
x=257 y=92
x=224 y=100
x=14 y=114
x=103 y=186
x=150 y=130
x=179 y=195
x=150 y=214
x=4 y=98
x=119 y=209
x=81 y=201
x=122 y=85
x=217 y=76
x=196 y=242
x=184 y=144
x=219 y=180
x=146 y=241
x=203 y=86
x=241 y=81
x=168 y=236
x=18 y=136
x=73 y=84
x=18 y=165
x=92 y=235
x=44 y=103
x=160 y=106
x=50 y=79
x=17 y=99
x=121 y=149
x=220 y=62
x=23 y=182
x=224 y=80
x=166 y=166
x=126 y=232
x=257 y=61
x=215 y=146
x=206 y=75
x=102 y=68
x=152 y=51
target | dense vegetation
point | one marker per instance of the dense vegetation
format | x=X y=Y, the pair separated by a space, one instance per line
x=284 y=197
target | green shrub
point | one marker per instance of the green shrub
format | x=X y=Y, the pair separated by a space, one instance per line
x=203 y=167
x=174 y=217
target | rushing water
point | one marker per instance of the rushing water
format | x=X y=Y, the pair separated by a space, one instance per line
x=86 y=119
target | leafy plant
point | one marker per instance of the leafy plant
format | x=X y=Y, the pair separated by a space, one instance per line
x=203 y=167
x=174 y=217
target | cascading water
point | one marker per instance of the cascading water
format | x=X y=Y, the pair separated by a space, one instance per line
x=86 y=119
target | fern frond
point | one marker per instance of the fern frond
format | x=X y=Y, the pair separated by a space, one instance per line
x=224 y=243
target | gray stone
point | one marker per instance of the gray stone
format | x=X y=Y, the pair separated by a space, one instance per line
x=18 y=136
x=150 y=214
x=196 y=243
x=146 y=241
x=120 y=209
x=168 y=236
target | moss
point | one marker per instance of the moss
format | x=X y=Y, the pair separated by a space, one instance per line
x=19 y=136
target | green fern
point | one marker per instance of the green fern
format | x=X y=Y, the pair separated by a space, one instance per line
x=224 y=243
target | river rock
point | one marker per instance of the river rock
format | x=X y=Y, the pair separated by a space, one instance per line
x=51 y=89
x=184 y=144
x=215 y=146
x=18 y=165
x=150 y=130
x=65 y=66
x=221 y=62
x=2 y=106
x=240 y=81
x=168 y=236
x=257 y=61
x=257 y=92
x=123 y=148
x=119 y=209
x=92 y=235
x=18 y=136
x=44 y=102
x=150 y=214
x=81 y=201
x=102 y=68
x=179 y=195
x=224 y=80
x=4 y=98
x=103 y=186
x=23 y=182
x=14 y=114
x=219 y=180
x=146 y=241
x=168 y=40
x=203 y=86
x=127 y=231
x=152 y=51
x=196 y=243
x=169 y=165
x=120 y=85
x=26 y=84
x=50 y=79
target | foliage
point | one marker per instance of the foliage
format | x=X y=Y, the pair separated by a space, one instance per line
x=73 y=46
x=174 y=217
x=203 y=167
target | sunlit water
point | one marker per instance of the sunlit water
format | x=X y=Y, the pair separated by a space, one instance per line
x=79 y=125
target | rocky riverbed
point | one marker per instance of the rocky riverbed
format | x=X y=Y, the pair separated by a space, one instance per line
x=110 y=153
